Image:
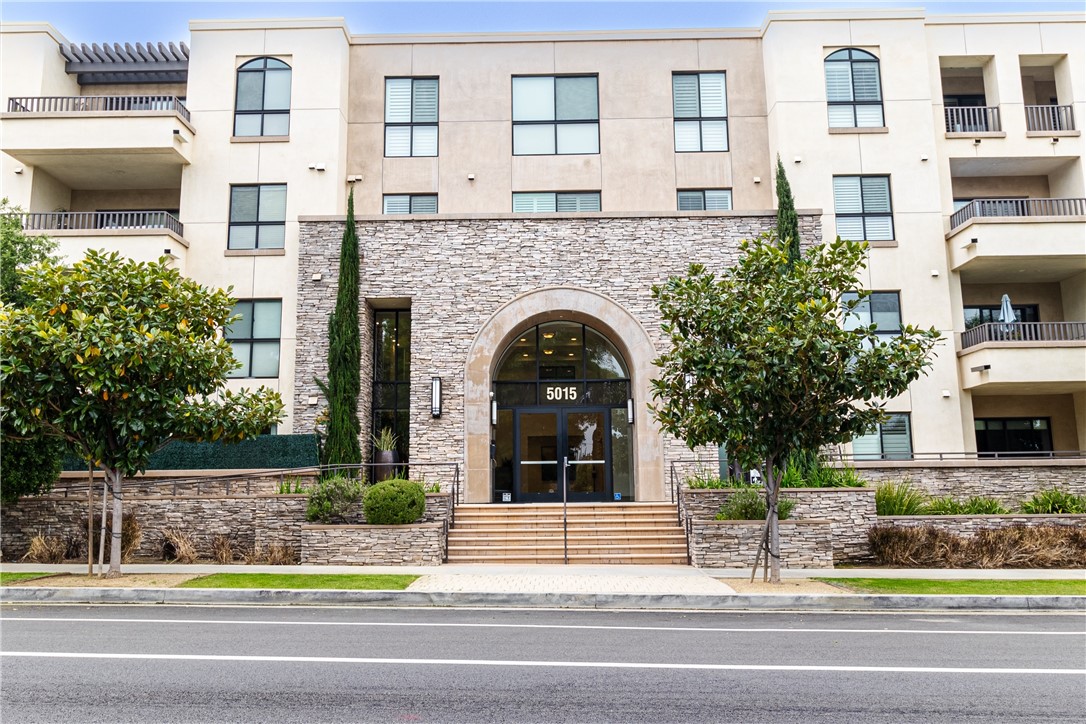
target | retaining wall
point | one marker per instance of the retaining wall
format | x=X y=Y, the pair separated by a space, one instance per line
x=1011 y=482
x=968 y=525
x=734 y=543
x=420 y=544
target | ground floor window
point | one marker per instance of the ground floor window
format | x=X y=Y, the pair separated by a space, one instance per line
x=891 y=440
x=1020 y=435
x=392 y=375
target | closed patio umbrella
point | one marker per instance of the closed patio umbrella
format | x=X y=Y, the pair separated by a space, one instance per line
x=1006 y=314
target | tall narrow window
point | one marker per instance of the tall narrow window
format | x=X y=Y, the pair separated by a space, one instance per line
x=862 y=208
x=853 y=89
x=700 y=103
x=262 y=104
x=410 y=116
x=891 y=440
x=258 y=216
x=255 y=337
x=392 y=375
x=555 y=115
x=706 y=200
x=550 y=202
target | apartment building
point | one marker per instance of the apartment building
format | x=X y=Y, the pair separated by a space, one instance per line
x=518 y=194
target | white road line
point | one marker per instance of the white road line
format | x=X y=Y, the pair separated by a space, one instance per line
x=537 y=664
x=427 y=624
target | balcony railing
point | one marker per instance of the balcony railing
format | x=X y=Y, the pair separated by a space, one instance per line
x=990 y=208
x=1050 y=118
x=97 y=104
x=1024 y=332
x=972 y=119
x=91 y=220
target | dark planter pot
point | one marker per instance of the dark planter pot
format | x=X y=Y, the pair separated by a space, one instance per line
x=386 y=465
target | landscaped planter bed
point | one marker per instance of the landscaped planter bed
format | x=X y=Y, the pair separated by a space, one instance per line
x=967 y=525
x=734 y=543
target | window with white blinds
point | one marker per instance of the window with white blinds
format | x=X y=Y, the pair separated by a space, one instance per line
x=550 y=202
x=700 y=104
x=556 y=115
x=706 y=200
x=862 y=208
x=411 y=116
x=258 y=216
x=853 y=89
x=262 y=98
x=891 y=440
x=410 y=204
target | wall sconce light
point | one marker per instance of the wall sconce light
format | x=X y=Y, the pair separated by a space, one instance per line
x=973 y=241
x=493 y=412
x=19 y=171
x=798 y=159
x=629 y=410
x=471 y=177
x=976 y=141
x=980 y=368
x=435 y=397
x=924 y=157
x=946 y=393
x=935 y=272
x=1055 y=140
x=757 y=179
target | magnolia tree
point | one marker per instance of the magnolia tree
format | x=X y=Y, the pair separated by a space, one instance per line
x=119 y=357
x=760 y=362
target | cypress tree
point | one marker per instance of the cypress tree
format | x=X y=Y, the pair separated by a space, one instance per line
x=341 y=445
x=787 y=221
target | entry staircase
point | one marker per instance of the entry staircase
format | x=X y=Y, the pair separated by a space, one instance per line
x=596 y=533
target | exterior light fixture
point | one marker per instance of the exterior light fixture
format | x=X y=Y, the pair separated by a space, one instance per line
x=435 y=396
x=980 y=368
x=629 y=410
x=493 y=412
x=976 y=141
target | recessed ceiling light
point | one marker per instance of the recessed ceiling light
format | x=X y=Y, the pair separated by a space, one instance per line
x=524 y=355
x=571 y=354
x=548 y=351
x=522 y=339
x=572 y=339
x=548 y=335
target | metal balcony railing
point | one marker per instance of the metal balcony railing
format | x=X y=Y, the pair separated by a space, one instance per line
x=97 y=104
x=990 y=208
x=1024 y=332
x=88 y=220
x=972 y=119
x=1050 y=118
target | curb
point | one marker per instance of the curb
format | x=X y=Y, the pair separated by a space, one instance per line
x=449 y=599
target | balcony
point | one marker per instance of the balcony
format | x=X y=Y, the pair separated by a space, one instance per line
x=972 y=120
x=139 y=235
x=1049 y=119
x=1021 y=240
x=1038 y=358
x=101 y=142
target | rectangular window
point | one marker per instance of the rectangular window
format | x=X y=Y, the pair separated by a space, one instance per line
x=862 y=208
x=255 y=337
x=392 y=375
x=410 y=116
x=891 y=440
x=882 y=309
x=1018 y=436
x=706 y=200
x=410 y=204
x=555 y=115
x=550 y=202
x=257 y=217
x=700 y=103
x=989 y=314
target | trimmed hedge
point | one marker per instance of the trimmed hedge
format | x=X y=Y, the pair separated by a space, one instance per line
x=394 y=502
x=274 y=452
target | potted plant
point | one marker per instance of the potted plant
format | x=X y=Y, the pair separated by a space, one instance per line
x=385 y=455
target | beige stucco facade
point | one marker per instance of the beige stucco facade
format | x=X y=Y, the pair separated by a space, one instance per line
x=184 y=159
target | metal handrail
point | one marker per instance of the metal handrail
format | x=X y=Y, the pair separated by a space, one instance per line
x=98 y=104
x=1010 y=332
x=972 y=119
x=994 y=208
x=1050 y=118
x=99 y=220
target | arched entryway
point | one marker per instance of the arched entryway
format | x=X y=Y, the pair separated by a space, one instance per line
x=562 y=404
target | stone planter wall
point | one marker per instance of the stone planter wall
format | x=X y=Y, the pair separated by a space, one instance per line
x=198 y=483
x=420 y=544
x=251 y=521
x=851 y=511
x=734 y=543
x=968 y=525
x=1009 y=481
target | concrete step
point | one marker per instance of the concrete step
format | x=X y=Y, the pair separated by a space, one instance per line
x=608 y=559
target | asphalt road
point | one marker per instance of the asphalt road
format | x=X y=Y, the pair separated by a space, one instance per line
x=261 y=664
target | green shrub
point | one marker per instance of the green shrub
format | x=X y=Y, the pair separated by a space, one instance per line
x=705 y=480
x=394 y=502
x=1054 y=501
x=292 y=486
x=810 y=471
x=750 y=505
x=899 y=499
x=978 y=505
x=944 y=506
x=332 y=499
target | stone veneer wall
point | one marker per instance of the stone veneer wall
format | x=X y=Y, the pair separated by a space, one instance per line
x=734 y=543
x=850 y=511
x=1010 y=482
x=968 y=525
x=252 y=521
x=421 y=544
x=455 y=273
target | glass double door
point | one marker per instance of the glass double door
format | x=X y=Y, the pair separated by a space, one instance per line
x=546 y=438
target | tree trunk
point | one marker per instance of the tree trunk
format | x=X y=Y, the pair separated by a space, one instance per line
x=115 y=544
x=773 y=489
x=90 y=520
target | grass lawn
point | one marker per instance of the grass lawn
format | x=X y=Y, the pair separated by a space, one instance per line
x=963 y=587
x=7 y=577
x=347 y=582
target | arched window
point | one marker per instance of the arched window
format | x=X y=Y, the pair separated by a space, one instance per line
x=262 y=105
x=853 y=89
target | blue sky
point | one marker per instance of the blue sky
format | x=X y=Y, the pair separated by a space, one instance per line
x=162 y=21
